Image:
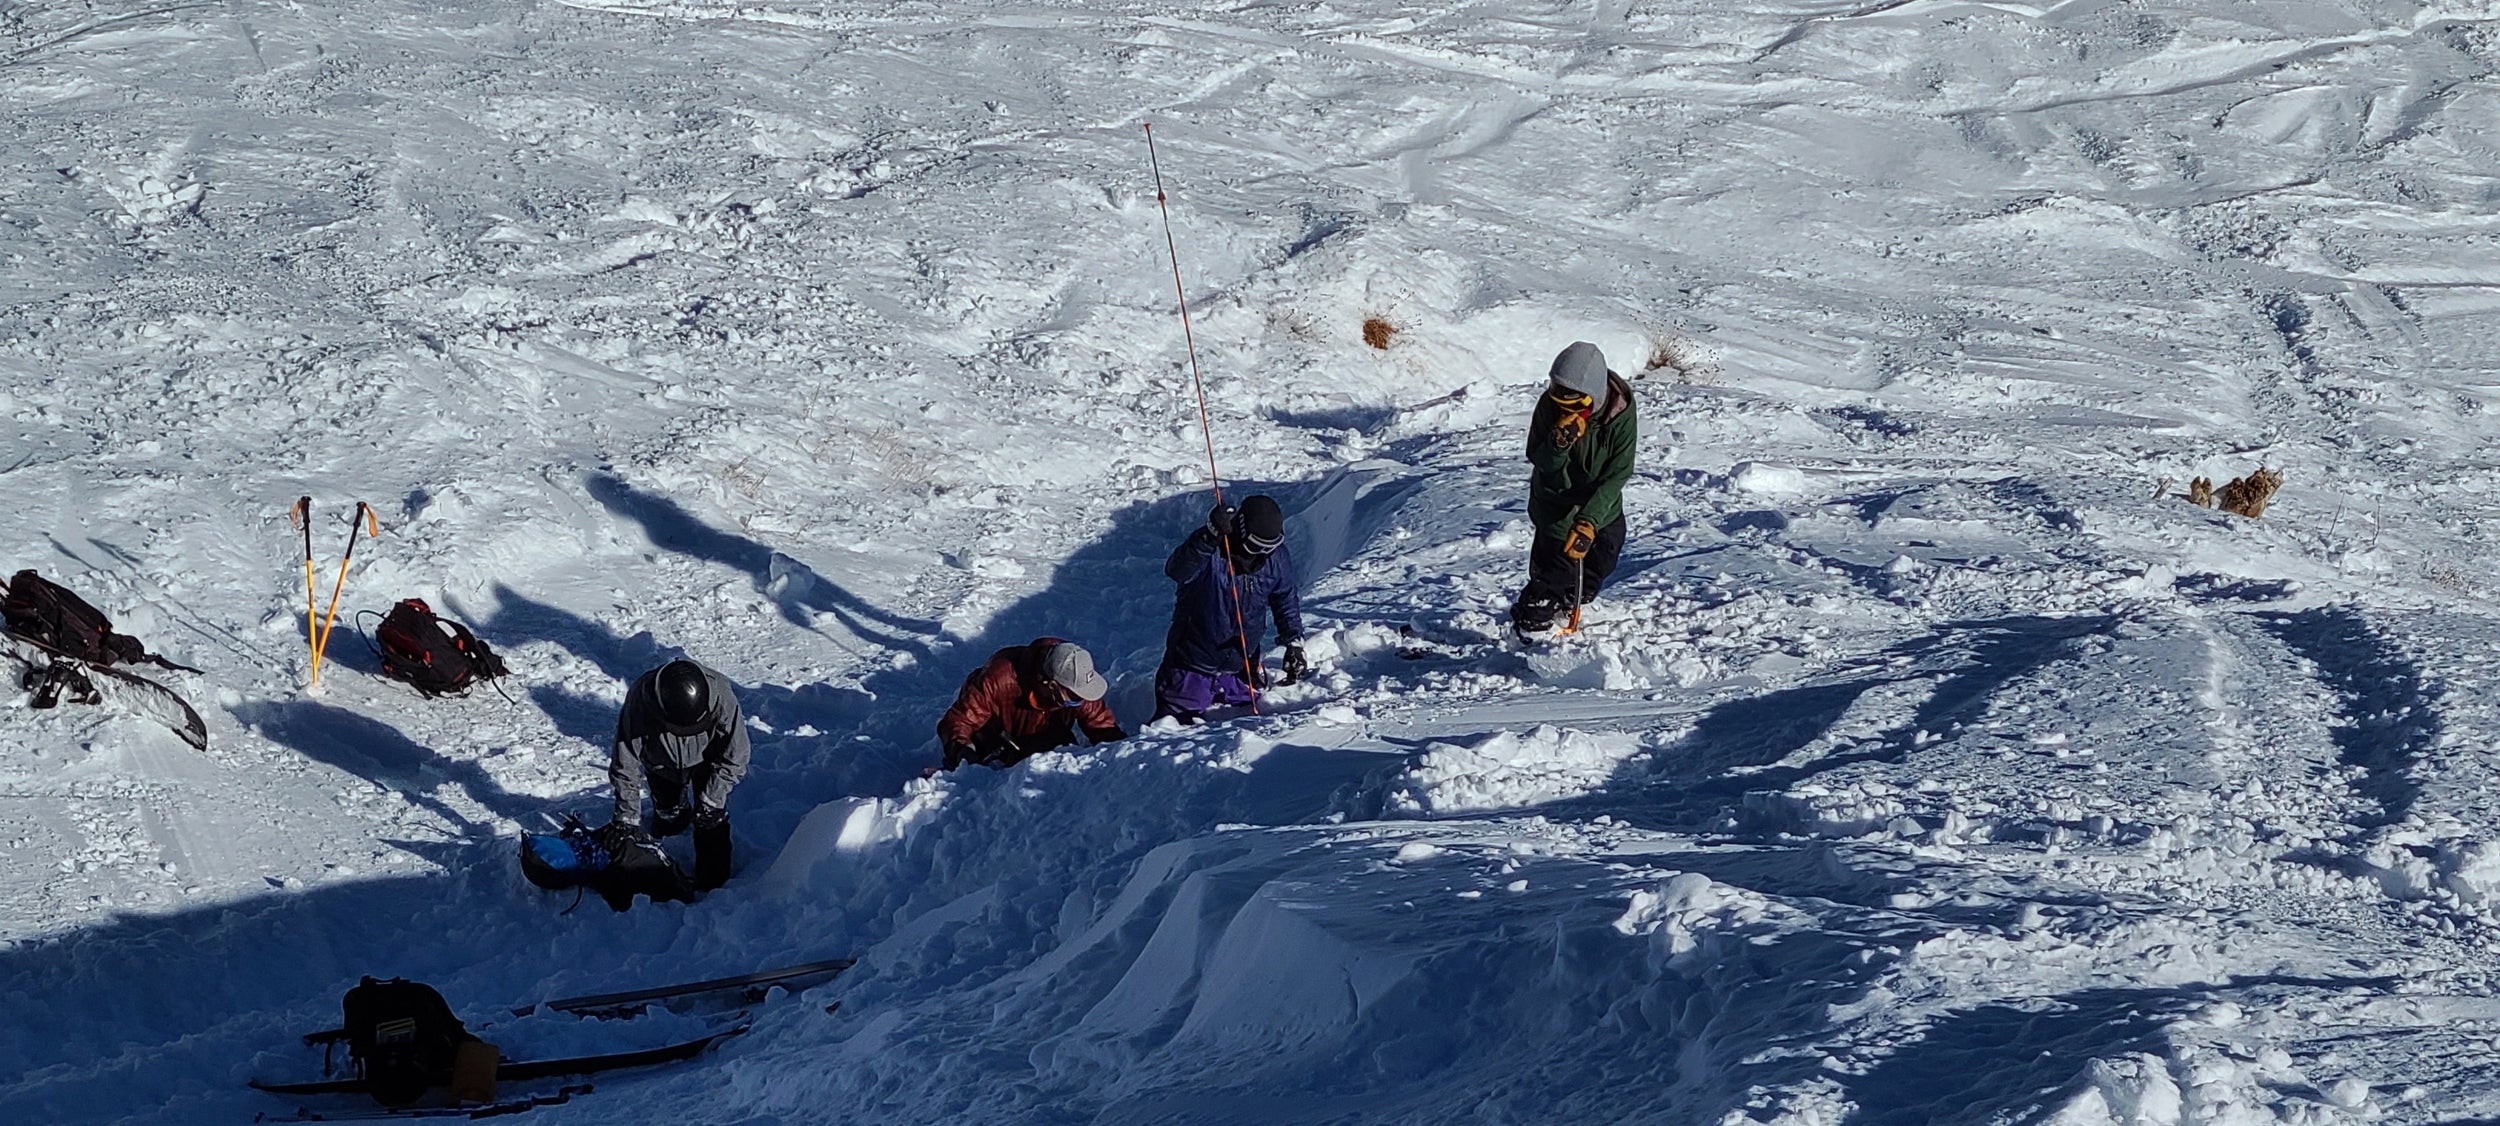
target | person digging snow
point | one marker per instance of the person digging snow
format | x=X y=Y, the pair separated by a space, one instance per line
x=1228 y=571
x=683 y=735
x=1580 y=444
x=1026 y=700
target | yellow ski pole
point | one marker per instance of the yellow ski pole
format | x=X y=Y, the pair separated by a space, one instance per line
x=301 y=514
x=363 y=519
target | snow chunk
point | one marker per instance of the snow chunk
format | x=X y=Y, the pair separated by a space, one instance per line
x=1509 y=771
x=1766 y=478
x=1681 y=914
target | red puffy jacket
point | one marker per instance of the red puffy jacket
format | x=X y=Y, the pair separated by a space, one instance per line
x=997 y=721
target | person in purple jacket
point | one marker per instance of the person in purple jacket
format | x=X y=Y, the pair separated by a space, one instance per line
x=1228 y=572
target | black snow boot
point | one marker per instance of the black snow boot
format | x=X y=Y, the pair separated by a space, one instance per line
x=711 y=850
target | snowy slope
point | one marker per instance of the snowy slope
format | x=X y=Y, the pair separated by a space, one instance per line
x=1931 y=760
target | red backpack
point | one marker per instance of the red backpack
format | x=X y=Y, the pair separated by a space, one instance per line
x=437 y=656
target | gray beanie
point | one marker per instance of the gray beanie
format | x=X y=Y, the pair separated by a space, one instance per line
x=1581 y=368
x=1069 y=666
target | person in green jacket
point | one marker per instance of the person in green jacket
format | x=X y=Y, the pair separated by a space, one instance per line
x=1580 y=445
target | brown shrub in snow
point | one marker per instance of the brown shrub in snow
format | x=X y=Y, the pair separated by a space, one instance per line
x=1376 y=332
x=2248 y=496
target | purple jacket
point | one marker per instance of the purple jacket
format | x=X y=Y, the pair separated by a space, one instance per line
x=1205 y=635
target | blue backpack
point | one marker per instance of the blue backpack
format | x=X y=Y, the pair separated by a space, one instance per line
x=614 y=860
x=570 y=857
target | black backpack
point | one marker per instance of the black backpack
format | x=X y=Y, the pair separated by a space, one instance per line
x=437 y=656
x=45 y=613
x=637 y=865
x=403 y=1037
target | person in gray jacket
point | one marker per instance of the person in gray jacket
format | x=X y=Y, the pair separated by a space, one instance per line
x=682 y=733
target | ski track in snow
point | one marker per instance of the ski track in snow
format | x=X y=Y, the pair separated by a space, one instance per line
x=1929 y=761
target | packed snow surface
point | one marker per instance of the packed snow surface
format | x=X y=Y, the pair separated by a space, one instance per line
x=1931 y=759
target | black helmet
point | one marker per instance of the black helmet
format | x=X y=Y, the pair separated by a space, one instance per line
x=683 y=693
x=1262 y=525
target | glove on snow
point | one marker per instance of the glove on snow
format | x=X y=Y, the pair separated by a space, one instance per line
x=1583 y=537
x=1297 y=666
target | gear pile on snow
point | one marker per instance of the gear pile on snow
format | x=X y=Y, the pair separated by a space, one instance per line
x=66 y=647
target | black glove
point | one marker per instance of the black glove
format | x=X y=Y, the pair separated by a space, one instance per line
x=670 y=822
x=619 y=835
x=706 y=818
x=1224 y=522
x=1297 y=666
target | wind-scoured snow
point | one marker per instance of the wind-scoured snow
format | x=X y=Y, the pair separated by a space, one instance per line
x=1929 y=761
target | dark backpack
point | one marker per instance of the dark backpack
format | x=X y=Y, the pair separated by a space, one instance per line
x=637 y=865
x=402 y=1036
x=45 y=613
x=437 y=656
x=617 y=861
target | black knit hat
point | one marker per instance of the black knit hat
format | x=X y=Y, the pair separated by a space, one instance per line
x=1262 y=524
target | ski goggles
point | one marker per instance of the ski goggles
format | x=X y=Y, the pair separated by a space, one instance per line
x=1261 y=545
x=1570 y=400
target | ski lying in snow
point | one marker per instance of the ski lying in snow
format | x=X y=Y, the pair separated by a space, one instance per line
x=511 y=1071
x=495 y=1109
x=127 y=691
x=752 y=988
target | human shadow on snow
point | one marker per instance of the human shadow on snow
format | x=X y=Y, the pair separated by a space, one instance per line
x=377 y=752
x=1734 y=748
x=1987 y=1062
x=794 y=587
x=2394 y=720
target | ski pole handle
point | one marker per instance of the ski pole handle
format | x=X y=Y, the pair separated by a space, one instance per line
x=301 y=516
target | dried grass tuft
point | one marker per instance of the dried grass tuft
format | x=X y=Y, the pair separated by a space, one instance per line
x=1376 y=332
x=1691 y=363
x=2248 y=496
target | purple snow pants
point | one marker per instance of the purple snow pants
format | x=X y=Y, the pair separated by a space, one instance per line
x=1187 y=693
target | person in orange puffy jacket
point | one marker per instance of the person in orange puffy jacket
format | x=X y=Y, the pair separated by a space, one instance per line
x=1026 y=700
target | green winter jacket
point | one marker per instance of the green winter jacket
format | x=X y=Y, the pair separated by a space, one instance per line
x=1586 y=480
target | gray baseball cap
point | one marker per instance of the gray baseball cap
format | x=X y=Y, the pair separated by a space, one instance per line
x=1069 y=666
